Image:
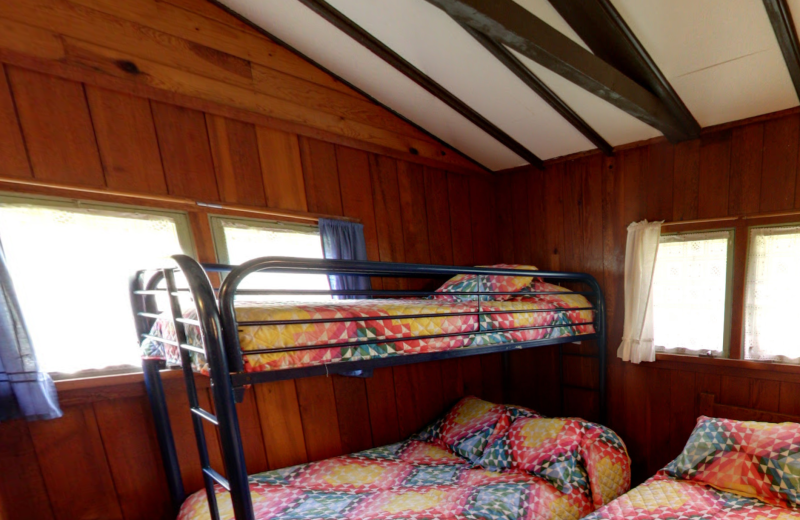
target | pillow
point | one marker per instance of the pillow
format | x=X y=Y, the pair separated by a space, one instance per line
x=468 y=428
x=546 y=448
x=755 y=459
x=607 y=463
x=500 y=283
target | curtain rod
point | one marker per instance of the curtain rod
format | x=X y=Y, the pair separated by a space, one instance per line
x=727 y=219
x=295 y=215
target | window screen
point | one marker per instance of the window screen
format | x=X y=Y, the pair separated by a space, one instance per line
x=771 y=292
x=240 y=240
x=690 y=296
x=71 y=264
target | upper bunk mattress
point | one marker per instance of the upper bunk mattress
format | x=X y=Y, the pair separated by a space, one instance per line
x=361 y=321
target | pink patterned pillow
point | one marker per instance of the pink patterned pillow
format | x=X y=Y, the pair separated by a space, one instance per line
x=500 y=283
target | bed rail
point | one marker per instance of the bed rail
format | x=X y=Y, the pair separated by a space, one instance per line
x=219 y=327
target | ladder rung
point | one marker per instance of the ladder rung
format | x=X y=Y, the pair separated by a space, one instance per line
x=189 y=321
x=193 y=348
x=206 y=415
x=219 y=479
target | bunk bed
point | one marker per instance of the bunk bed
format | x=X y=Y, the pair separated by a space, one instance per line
x=237 y=338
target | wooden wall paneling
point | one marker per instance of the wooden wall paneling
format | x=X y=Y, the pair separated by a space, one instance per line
x=437 y=202
x=126 y=138
x=781 y=138
x=472 y=374
x=418 y=390
x=57 y=128
x=581 y=403
x=493 y=376
x=516 y=201
x=715 y=166
x=484 y=223
x=750 y=393
x=356 y=187
x=281 y=425
x=682 y=412
x=255 y=454
x=789 y=398
x=592 y=218
x=538 y=218
x=747 y=152
x=452 y=382
x=234 y=148
x=12 y=147
x=413 y=212
x=131 y=448
x=687 y=180
x=321 y=176
x=659 y=179
x=22 y=491
x=386 y=200
x=320 y=421
x=658 y=420
x=382 y=407
x=185 y=152
x=554 y=218
x=460 y=218
x=572 y=257
x=73 y=463
x=636 y=414
x=352 y=410
x=504 y=186
x=282 y=169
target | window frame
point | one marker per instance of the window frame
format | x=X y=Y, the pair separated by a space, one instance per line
x=183 y=227
x=728 y=310
x=741 y=225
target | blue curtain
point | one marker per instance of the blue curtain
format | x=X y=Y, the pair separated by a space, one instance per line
x=25 y=391
x=343 y=240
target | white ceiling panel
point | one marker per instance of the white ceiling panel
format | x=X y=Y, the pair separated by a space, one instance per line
x=428 y=38
x=548 y=14
x=616 y=126
x=310 y=34
x=721 y=56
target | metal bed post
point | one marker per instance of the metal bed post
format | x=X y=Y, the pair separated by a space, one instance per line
x=158 y=405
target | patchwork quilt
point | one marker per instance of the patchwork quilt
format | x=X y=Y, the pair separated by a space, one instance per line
x=667 y=498
x=361 y=321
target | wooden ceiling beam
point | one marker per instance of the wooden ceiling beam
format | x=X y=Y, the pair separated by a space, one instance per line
x=781 y=19
x=344 y=24
x=527 y=76
x=509 y=23
x=603 y=29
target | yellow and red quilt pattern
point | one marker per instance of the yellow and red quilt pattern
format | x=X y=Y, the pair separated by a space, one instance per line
x=667 y=498
x=372 y=320
x=413 y=480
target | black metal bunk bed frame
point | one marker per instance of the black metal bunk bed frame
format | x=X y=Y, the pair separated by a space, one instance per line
x=217 y=322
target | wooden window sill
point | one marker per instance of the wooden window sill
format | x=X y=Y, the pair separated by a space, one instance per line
x=87 y=390
x=697 y=363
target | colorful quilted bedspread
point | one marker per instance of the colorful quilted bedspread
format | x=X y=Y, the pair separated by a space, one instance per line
x=664 y=497
x=391 y=324
x=413 y=480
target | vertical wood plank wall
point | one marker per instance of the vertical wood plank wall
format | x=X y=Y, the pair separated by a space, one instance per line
x=578 y=212
x=292 y=138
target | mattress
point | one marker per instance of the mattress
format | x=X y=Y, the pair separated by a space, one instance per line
x=664 y=497
x=409 y=480
x=399 y=334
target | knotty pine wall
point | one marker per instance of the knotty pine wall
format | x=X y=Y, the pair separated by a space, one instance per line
x=119 y=95
x=577 y=214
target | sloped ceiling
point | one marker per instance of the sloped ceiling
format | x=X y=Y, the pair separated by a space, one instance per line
x=720 y=56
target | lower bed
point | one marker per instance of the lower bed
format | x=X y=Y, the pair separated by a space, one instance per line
x=667 y=498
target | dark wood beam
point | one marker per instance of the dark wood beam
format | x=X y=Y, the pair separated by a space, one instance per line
x=603 y=29
x=527 y=76
x=344 y=24
x=785 y=32
x=509 y=23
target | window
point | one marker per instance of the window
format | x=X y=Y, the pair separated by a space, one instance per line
x=240 y=240
x=71 y=262
x=690 y=293
x=771 y=291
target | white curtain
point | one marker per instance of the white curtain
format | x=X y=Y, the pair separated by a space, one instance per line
x=640 y=262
